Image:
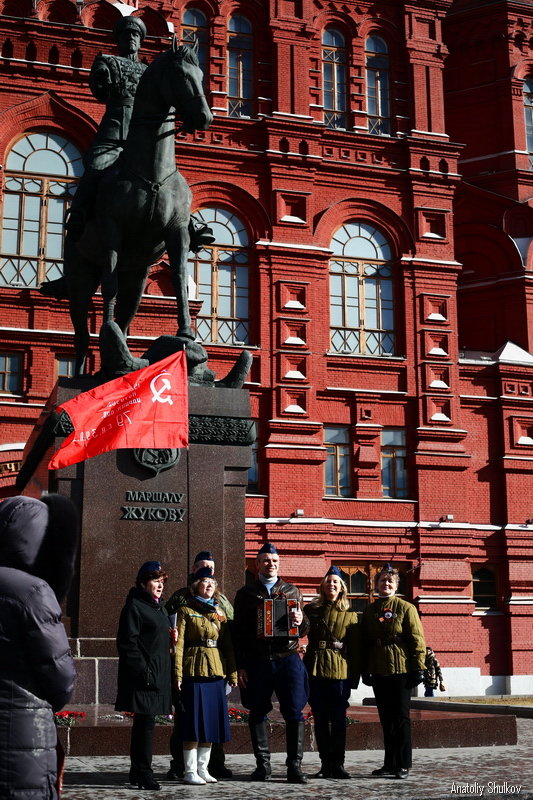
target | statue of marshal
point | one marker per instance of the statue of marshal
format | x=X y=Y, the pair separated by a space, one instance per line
x=113 y=81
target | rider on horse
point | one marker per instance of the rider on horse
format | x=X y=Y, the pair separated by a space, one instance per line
x=113 y=80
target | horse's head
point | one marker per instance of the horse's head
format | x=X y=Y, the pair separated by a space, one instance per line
x=183 y=80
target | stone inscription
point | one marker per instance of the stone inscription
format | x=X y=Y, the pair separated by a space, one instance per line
x=156 y=513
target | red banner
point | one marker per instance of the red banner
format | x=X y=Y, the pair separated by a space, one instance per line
x=146 y=408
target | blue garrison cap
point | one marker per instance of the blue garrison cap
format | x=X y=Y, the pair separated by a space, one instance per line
x=333 y=570
x=203 y=572
x=147 y=567
x=204 y=555
x=268 y=547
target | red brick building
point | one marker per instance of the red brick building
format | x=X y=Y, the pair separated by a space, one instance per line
x=367 y=175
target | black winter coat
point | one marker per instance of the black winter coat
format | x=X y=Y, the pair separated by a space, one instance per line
x=36 y=666
x=144 y=669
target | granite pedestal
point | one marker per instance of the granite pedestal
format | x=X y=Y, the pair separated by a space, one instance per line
x=135 y=507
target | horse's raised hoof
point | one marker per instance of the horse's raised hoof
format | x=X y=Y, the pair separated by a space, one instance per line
x=57 y=289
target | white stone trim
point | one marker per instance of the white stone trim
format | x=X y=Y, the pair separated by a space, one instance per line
x=356 y=523
x=436 y=599
x=267 y=243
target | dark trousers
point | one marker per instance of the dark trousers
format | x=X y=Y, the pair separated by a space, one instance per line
x=142 y=734
x=285 y=676
x=328 y=699
x=393 y=699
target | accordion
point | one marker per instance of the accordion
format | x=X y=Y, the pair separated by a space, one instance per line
x=273 y=618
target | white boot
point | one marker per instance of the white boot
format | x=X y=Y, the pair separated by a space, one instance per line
x=190 y=773
x=203 y=760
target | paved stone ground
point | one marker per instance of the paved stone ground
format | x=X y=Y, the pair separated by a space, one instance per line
x=437 y=774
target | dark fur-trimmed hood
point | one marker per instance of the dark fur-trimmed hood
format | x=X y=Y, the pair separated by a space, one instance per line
x=40 y=537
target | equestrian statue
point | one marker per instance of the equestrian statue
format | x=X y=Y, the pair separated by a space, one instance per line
x=133 y=205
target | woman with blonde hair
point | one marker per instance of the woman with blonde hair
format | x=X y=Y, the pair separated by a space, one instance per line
x=332 y=660
x=204 y=660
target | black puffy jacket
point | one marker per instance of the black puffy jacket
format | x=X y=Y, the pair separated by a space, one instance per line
x=36 y=668
x=144 y=670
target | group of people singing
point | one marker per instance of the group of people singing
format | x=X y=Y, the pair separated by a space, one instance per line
x=217 y=646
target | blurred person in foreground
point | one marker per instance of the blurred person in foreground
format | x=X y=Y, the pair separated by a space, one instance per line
x=394 y=652
x=38 y=546
x=332 y=659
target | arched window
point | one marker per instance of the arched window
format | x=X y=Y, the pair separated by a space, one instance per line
x=220 y=272
x=40 y=179
x=240 y=67
x=528 y=109
x=361 y=296
x=194 y=29
x=334 y=77
x=377 y=86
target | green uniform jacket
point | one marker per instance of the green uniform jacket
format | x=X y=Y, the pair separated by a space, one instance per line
x=328 y=624
x=393 y=638
x=193 y=660
x=182 y=596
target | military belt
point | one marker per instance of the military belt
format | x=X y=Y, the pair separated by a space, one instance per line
x=203 y=643
x=387 y=641
x=334 y=644
x=278 y=656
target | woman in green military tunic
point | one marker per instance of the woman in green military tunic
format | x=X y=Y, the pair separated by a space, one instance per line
x=204 y=661
x=394 y=652
x=332 y=661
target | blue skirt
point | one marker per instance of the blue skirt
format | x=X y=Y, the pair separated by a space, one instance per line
x=205 y=715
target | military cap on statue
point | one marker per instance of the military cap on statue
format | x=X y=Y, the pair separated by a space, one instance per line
x=333 y=570
x=204 y=572
x=130 y=22
x=268 y=547
x=204 y=555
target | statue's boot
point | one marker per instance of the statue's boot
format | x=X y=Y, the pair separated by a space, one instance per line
x=199 y=236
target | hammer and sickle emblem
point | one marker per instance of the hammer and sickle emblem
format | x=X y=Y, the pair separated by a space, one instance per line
x=164 y=386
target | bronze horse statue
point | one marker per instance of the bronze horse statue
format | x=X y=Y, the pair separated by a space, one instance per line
x=143 y=204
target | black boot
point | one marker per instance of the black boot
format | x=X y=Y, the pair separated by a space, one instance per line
x=217 y=763
x=200 y=235
x=322 y=739
x=295 y=732
x=337 y=751
x=259 y=737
